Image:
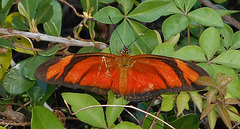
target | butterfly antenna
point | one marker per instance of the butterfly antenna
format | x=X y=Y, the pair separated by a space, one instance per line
x=139 y=36
x=117 y=31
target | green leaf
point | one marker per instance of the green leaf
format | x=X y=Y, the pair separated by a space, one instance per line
x=14 y=82
x=235 y=40
x=28 y=8
x=172 y=9
x=212 y=119
x=32 y=64
x=182 y=102
x=122 y=35
x=44 y=14
x=146 y=39
x=149 y=11
x=42 y=118
x=54 y=25
x=35 y=93
x=6 y=5
x=228 y=58
x=184 y=42
x=187 y=52
x=174 y=25
x=168 y=102
x=225 y=116
x=48 y=92
x=223 y=12
x=197 y=99
x=179 y=4
x=164 y=49
x=226 y=35
x=5 y=62
x=6 y=43
x=108 y=15
x=126 y=125
x=88 y=50
x=206 y=16
x=126 y=5
x=174 y=40
x=234 y=117
x=144 y=106
x=19 y=23
x=50 y=51
x=186 y=122
x=92 y=116
x=233 y=88
x=112 y=113
x=105 y=1
x=189 y=4
x=149 y=120
x=210 y=41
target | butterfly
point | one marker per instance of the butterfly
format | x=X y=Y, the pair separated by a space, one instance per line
x=138 y=77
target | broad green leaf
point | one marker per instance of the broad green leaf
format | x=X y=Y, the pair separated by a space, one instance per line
x=6 y=43
x=187 y=52
x=223 y=12
x=212 y=119
x=197 y=99
x=47 y=93
x=144 y=106
x=179 y=4
x=108 y=15
x=146 y=39
x=105 y=1
x=172 y=9
x=168 y=102
x=19 y=23
x=88 y=50
x=164 y=49
x=126 y=125
x=149 y=120
x=184 y=42
x=2 y=127
x=225 y=116
x=42 y=118
x=149 y=11
x=6 y=5
x=54 y=25
x=14 y=82
x=235 y=40
x=233 y=116
x=182 y=102
x=22 y=44
x=173 y=40
x=220 y=1
x=189 y=4
x=226 y=35
x=50 y=51
x=112 y=113
x=126 y=5
x=3 y=16
x=5 y=62
x=189 y=121
x=210 y=42
x=44 y=14
x=32 y=64
x=206 y=16
x=233 y=88
x=28 y=8
x=35 y=93
x=92 y=116
x=122 y=35
x=230 y=58
x=174 y=25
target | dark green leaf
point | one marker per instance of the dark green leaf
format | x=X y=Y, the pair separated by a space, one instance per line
x=122 y=35
x=28 y=8
x=112 y=113
x=174 y=25
x=42 y=118
x=126 y=125
x=149 y=120
x=54 y=25
x=6 y=43
x=92 y=116
x=88 y=50
x=146 y=39
x=19 y=23
x=206 y=16
x=44 y=14
x=50 y=51
x=189 y=121
x=149 y=11
x=6 y=5
x=14 y=82
x=126 y=5
x=108 y=15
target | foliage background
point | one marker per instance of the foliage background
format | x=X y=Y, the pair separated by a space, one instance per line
x=184 y=27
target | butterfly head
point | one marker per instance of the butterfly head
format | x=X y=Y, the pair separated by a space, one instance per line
x=125 y=50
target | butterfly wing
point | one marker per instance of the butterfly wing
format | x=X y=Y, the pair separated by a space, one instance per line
x=91 y=71
x=151 y=75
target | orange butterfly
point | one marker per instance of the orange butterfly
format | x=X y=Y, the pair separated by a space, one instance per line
x=138 y=78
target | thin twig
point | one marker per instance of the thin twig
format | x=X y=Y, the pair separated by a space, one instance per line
x=45 y=37
x=228 y=18
x=73 y=8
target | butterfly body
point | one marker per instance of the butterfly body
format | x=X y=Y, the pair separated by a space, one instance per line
x=138 y=78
